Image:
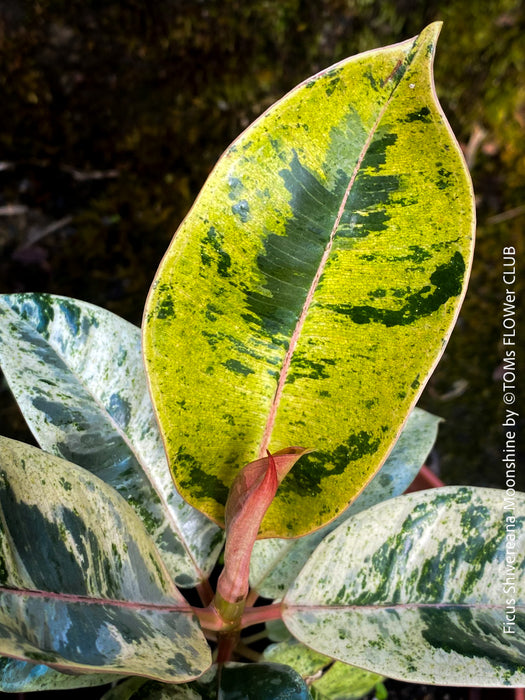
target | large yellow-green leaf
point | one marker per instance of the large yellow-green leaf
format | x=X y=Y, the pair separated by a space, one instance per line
x=428 y=587
x=82 y=586
x=311 y=289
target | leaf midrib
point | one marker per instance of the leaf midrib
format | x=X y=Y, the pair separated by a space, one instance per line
x=93 y=600
x=270 y=422
x=326 y=607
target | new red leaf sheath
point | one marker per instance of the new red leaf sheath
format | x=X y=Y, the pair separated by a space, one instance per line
x=250 y=497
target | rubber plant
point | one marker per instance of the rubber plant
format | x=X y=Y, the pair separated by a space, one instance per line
x=289 y=331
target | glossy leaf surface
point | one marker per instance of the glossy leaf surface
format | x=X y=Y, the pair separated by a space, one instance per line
x=260 y=681
x=421 y=595
x=24 y=677
x=76 y=371
x=82 y=585
x=326 y=680
x=142 y=689
x=276 y=562
x=311 y=289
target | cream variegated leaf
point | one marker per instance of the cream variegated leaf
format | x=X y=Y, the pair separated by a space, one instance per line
x=76 y=371
x=424 y=589
x=82 y=585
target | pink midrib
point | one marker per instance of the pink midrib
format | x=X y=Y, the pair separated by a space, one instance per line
x=309 y=297
x=92 y=600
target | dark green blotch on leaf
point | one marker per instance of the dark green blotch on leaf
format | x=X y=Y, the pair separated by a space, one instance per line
x=212 y=251
x=447 y=280
x=261 y=681
x=119 y=409
x=238 y=367
x=309 y=473
x=242 y=210
x=72 y=315
x=472 y=634
x=165 y=308
x=201 y=483
x=422 y=115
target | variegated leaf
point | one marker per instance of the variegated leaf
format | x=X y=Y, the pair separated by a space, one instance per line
x=142 y=689
x=343 y=682
x=327 y=680
x=276 y=562
x=429 y=587
x=234 y=681
x=24 y=677
x=76 y=371
x=277 y=631
x=311 y=289
x=82 y=586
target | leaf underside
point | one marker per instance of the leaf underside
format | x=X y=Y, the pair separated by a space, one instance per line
x=429 y=584
x=311 y=289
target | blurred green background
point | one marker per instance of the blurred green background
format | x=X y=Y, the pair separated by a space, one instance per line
x=113 y=114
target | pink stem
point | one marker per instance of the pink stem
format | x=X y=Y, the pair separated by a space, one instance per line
x=264 y=613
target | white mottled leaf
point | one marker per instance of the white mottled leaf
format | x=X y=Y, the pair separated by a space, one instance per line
x=76 y=371
x=276 y=562
x=82 y=585
x=424 y=589
x=24 y=677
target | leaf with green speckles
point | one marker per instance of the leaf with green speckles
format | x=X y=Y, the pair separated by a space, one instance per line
x=276 y=562
x=24 y=677
x=82 y=585
x=344 y=682
x=310 y=291
x=326 y=680
x=76 y=371
x=429 y=588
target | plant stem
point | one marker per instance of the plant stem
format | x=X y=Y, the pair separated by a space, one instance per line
x=209 y=618
x=254 y=638
x=251 y=598
x=229 y=612
x=205 y=592
x=244 y=650
x=254 y=616
x=227 y=644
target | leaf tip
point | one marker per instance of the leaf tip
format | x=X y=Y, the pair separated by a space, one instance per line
x=429 y=36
